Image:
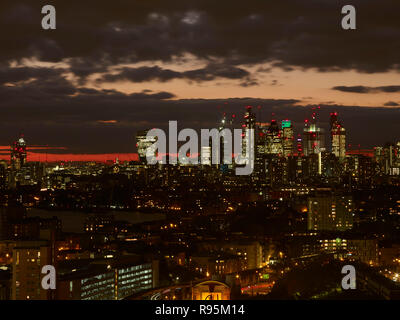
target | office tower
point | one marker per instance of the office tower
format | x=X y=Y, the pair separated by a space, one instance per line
x=223 y=140
x=288 y=137
x=260 y=153
x=261 y=140
x=379 y=158
x=274 y=139
x=275 y=168
x=313 y=142
x=249 y=118
x=331 y=168
x=109 y=279
x=18 y=153
x=330 y=212
x=210 y=148
x=338 y=137
x=28 y=259
x=249 y=123
x=386 y=159
x=390 y=159
x=143 y=143
x=361 y=168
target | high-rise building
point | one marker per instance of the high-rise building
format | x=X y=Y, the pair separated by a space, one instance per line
x=338 y=137
x=261 y=141
x=249 y=118
x=28 y=259
x=249 y=123
x=18 y=153
x=288 y=137
x=211 y=148
x=313 y=141
x=107 y=279
x=260 y=153
x=274 y=139
x=224 y=140
x=361 y=168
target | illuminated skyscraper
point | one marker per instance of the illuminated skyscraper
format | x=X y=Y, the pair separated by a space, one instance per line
x=249 y=123
x=274 y=139
x=18 y=153
x=313 y=141
x=262 y=130
x=249 y=118
x=287 y=136
x=338 y=137
x=222 y=126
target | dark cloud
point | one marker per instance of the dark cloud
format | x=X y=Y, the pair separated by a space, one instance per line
x=391 y=104
x=142 y=74
x=94 y=36
x=364 y=89
x=211 y=72
x=10 y=75
x=290 y=33
x=157 y=96
x=79 y=118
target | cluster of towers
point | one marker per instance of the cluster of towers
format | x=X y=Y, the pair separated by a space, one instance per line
x=276 y=138
x=275 y=143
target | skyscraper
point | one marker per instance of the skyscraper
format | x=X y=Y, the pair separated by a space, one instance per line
x=249 y=118
x=274 y=139
x=28 y=259
x=287 y=137
x=338 y=137
x=249 y=123
x=18 y=153
x=313 y=140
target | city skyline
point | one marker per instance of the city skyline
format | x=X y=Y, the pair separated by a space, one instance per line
x=60 y=154
x=199 y=150
x=61 y=89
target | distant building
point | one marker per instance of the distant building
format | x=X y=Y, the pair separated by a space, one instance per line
x=18 y=153
x=106 y=280
x=330 y=212
x=28 y=259
x=313 y=137
x=338 y=137
x=287 y=137
x=274 y=139
x=249 y=123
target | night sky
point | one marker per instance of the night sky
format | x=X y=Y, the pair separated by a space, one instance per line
x=112 y=68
